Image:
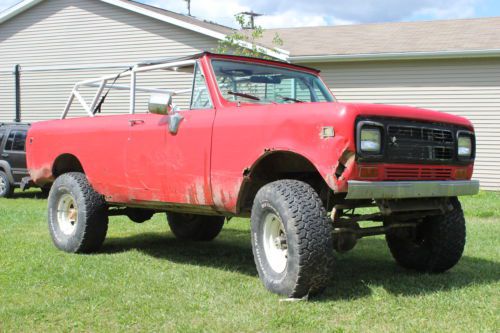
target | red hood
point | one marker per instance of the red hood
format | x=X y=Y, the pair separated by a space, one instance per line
x=408 y=112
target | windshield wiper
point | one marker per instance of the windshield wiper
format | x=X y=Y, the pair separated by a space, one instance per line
x=252 y=97
x=290 y=99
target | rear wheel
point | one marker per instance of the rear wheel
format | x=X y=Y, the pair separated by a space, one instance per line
x=78 y=216
x=45 y=191
x=6 y=188
x=436 y=244
x=291 y=239
x=195 y=227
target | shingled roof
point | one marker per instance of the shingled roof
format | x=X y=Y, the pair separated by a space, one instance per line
x=447 y=36
x=185 y=18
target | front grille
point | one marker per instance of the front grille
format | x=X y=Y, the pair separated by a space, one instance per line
x=417 y=173
x=442 y=153
x=419 y=144
x=420 y=133
x=416 y=142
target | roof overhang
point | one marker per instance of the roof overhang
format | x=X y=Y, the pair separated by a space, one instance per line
x=492 y=53
x=17 y=9
x=27 y=4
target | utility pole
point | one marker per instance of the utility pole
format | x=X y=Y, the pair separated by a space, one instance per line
x=189 y=6
x=17 y=79
x=251 y=23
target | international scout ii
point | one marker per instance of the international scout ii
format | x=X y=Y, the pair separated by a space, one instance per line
x=266 y=140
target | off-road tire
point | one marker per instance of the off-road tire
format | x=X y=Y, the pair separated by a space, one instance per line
x=92 y=214
x=437 y=244
x=195 y=227
x=8 y=189
x=308 y=232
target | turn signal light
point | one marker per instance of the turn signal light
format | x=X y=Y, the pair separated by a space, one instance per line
x=368 y=172
x=461 y=173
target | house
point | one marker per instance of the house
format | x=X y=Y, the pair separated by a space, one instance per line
x=451 y=66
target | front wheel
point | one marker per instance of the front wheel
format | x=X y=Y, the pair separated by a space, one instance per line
x=291 y=239
x=78 y=216
x=436 y=244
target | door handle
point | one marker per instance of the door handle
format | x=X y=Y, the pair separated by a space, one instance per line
x=5 y=155
x=134 y=122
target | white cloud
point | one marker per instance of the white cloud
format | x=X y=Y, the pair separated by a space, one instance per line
x=223 y=11
x=291 y=18
x=220 y=11
x=286 y=13
x=457 y=9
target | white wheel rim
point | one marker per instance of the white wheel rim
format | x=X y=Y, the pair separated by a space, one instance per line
x=3 y=185
x=275 y=244
x=67 y=214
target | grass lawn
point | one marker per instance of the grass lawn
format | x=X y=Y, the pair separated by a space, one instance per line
x=146 y=280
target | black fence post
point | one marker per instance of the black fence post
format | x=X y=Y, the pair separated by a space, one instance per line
x=17 y=74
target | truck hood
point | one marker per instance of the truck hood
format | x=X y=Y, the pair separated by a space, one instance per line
x=407 y=112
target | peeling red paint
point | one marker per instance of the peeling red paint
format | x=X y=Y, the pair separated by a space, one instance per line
x=42 y=175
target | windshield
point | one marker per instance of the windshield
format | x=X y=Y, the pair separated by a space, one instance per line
x=256 y=83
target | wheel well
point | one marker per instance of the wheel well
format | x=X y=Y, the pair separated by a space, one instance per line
x=66 y=163
x=275 y=166
x=5 y=168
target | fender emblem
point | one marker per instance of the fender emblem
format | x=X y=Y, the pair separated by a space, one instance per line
x=327 y=132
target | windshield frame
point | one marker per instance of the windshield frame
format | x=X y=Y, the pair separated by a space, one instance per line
x=325 y=90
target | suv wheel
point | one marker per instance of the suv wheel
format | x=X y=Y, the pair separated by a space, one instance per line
x=291 y=239
x=78 y=216
x=6 y=189
x=195 y=227
x=436 y=244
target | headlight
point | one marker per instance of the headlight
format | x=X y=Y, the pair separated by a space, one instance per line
x=465 y=144
x=370 y=140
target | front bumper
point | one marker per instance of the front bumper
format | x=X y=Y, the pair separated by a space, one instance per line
x=410 y=189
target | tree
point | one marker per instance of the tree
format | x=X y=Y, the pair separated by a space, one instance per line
x=244 y=42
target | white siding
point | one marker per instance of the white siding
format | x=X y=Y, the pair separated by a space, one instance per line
x=7 y=91
x=76 y=32
x=469 y=88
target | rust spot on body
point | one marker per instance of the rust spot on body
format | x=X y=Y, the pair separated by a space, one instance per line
x=42 y=176
x=341 y=171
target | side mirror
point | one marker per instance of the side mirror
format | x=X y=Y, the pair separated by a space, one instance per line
x=160 y=104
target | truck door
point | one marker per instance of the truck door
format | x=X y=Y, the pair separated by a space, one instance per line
x=172 y=168
x=14 y=153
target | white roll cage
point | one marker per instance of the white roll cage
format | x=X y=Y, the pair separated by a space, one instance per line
x=103 y=83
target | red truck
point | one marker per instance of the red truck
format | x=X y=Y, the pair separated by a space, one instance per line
x=266 y=140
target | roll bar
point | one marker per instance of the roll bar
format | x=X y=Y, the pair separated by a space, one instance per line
x=108 y=82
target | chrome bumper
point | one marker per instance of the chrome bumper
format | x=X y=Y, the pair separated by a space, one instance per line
x=410 y=189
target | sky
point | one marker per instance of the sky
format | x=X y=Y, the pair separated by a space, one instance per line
x=296 y=13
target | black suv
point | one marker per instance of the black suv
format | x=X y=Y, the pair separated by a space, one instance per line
x=12 y=157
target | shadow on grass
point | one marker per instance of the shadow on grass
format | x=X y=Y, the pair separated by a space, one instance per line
x=231 y=250
x=369 y=265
